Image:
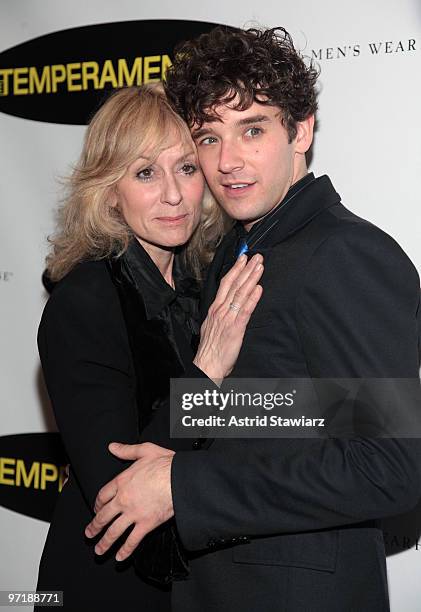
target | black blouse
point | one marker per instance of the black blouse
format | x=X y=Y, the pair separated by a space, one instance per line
x=178 y=310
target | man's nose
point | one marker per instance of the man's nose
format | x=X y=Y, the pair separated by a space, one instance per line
x=230 y=158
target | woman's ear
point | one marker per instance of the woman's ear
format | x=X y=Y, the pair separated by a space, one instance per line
x=112 y=197
x=304 y=136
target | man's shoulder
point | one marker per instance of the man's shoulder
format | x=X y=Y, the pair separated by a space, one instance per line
x=340 y=221
x=344 y=239
x=339 y=226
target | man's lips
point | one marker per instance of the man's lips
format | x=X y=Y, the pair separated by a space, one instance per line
x=237 y=189
x=178 y=220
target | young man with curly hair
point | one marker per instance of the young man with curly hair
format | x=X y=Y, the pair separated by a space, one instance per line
x=283 y=524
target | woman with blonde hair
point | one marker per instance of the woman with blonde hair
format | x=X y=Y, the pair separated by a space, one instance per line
x=135 y=234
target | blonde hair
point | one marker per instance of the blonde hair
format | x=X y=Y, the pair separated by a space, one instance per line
x=133 y=121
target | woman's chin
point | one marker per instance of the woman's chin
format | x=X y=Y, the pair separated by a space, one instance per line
x=174 y=237
x=167 y=242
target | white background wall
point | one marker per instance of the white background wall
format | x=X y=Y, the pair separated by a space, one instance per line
x=368 y=141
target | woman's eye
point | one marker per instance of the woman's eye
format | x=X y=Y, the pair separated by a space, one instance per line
x=254 y=131
x=145 y=175
x=189 y=168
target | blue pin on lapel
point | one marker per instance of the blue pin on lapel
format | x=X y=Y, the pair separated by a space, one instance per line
x=243 y=248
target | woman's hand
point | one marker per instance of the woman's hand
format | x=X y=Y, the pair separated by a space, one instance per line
x=222 y=332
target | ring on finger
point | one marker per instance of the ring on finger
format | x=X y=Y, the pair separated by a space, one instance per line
x=234 y=306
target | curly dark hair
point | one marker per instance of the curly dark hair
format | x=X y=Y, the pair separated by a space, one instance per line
x=248 y=65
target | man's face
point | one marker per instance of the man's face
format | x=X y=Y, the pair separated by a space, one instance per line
x=247 y=160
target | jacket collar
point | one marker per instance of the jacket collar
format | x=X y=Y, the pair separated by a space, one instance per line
x=156 y=293
x=305 y=200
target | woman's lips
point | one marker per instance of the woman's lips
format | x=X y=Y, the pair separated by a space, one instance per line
x=172 y=220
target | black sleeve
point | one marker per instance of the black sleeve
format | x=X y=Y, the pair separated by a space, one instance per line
x=357 y=316
x=86 y=363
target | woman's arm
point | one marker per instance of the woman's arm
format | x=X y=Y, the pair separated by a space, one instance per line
x=87 y=367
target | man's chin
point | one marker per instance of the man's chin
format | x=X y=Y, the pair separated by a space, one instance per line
x=240 y=211
x=246 y=219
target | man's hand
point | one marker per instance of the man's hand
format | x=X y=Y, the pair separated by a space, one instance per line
x=141 y=496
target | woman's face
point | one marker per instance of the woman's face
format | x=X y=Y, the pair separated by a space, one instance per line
x=161 y=201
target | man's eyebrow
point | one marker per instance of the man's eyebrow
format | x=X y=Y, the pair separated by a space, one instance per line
x=201 y=132
x=246 y=121
x=253 y=119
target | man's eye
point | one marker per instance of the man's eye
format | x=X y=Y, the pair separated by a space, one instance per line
x=189 y=168
x=208 y=140
x=254 y=131
x=145 y=175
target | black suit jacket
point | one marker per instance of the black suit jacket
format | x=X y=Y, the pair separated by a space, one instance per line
x=341 y=299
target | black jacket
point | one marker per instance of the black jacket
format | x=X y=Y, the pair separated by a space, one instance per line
x=290 y=524
x=108 y=347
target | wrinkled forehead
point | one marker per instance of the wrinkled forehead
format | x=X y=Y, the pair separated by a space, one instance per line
x=173 y=136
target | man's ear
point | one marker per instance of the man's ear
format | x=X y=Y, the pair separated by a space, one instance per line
x=304 y=136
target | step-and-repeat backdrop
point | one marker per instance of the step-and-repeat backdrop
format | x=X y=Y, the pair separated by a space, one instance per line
x=57 y=59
